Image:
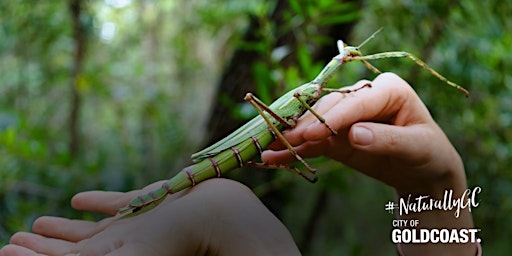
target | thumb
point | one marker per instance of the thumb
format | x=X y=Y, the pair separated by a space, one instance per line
x=391 y=140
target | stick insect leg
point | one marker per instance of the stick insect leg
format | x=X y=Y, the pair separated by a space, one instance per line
x=371 y=67
x=318 y=116
x=255 y=101
x=281 y=167
x=413 y=58
x=329 y=90
x=261 y=107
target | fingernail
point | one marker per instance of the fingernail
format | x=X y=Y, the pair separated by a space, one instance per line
x=362 y=136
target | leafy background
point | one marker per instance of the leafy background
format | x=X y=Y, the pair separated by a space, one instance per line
x=116 y=94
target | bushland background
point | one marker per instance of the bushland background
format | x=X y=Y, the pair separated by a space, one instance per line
x=116 y=94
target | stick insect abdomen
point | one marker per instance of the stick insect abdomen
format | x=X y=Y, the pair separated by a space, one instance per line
x=211 y=167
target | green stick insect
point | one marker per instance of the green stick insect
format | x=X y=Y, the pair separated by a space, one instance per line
x=240 y=147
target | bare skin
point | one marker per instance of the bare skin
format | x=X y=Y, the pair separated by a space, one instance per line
x=200 y=221
x=387 y=133
x=384 y=132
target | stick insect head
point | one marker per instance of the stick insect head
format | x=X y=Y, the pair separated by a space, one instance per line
x=354 y=50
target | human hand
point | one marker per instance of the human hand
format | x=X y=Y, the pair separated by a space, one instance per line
x=385 y=132
x=217 y=215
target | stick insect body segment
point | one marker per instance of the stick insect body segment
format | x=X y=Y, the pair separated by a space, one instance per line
x=247 y=142
x=209 y=167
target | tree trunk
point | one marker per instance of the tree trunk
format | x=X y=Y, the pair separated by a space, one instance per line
x=237 y=78
x=79 y=38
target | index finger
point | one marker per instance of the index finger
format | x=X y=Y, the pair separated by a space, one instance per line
x=390 y=100
x=108 y=202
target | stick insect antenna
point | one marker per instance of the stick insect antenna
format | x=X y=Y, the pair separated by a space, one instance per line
x=369 y=38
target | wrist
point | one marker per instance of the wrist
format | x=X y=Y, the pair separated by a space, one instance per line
x=433 y=178
x=443 y=203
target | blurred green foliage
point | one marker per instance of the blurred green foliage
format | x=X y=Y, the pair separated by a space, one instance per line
x=149 y=73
